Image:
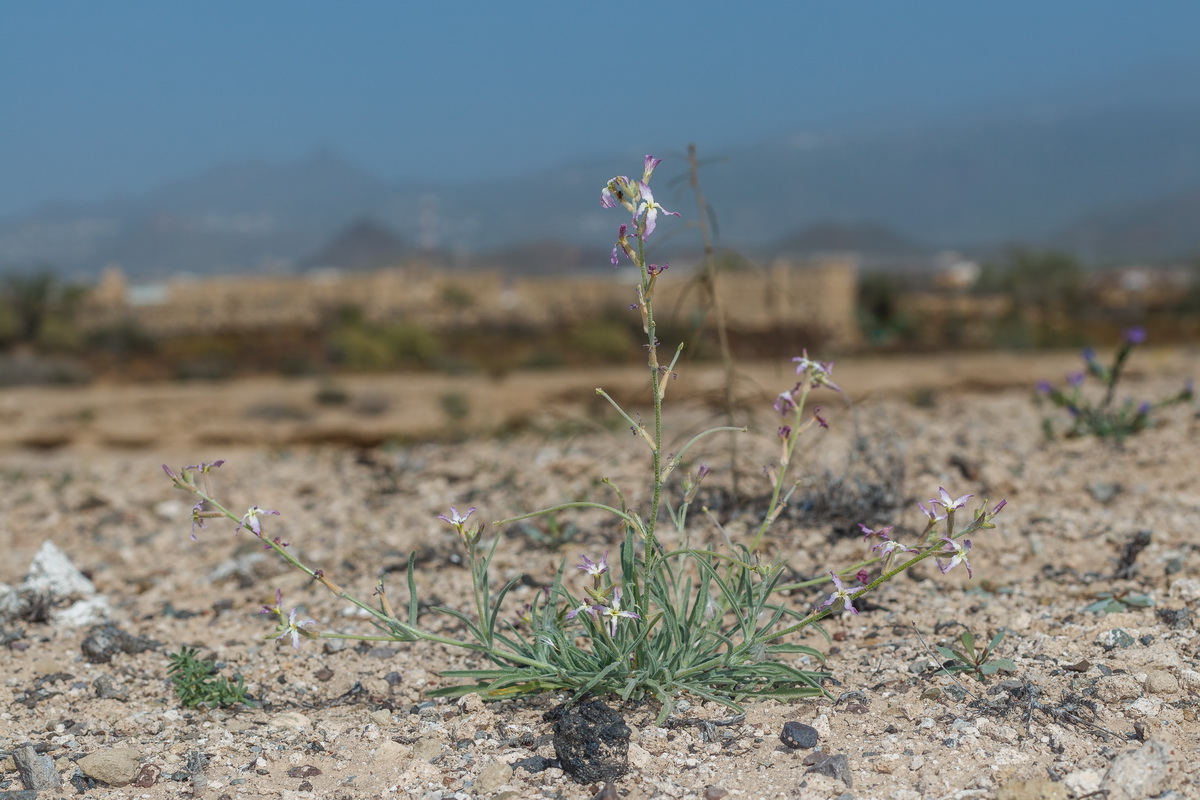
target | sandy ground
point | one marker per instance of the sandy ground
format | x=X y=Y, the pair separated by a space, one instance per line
x=357 y=492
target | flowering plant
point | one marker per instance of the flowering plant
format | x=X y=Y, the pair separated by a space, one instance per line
x=665 y=617
x=1103 y=419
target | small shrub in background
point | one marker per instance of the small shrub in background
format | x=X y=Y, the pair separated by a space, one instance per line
x=1102 y=417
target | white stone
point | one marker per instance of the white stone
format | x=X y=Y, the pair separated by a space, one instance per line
x=1084 y=782
x=52 y=572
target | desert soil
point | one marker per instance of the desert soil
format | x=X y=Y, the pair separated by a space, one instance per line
x=358 y=487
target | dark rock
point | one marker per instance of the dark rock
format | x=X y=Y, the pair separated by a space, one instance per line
x=714 y=793
x=107 y=688
x=36 y=770
x=799 y=736
x=591 y=741
x=835 y=767
x=24 y=794
x=1175 y=618
x=105 y=641
x=306 y=771
x=532 y=764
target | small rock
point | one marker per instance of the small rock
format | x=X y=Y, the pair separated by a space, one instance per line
x=391 y=752
x=291 y=719
x=104 y=641
x=1161 y=682
x=1032 y=789
x=147 y=776
x=799 y=736
x=533 y=764
x=1146 y=772
x=607 y=792
x=1174 y=618
x=117 y=766
x=591 y=741
x=107 y=688
x=1103 y=492
x=834 y=767
x=52 y=573
x=36 y=771
x=714 y=793
x=427 y=749
x=381 y=717
x=492 y=777
x=1084 y=782
x=1110 y=640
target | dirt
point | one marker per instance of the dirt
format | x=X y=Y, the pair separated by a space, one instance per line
x=357 y=491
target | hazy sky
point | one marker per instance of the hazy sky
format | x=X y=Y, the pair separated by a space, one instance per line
x=117 y=96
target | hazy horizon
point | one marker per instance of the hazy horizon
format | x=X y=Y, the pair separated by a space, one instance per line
x=119 y=98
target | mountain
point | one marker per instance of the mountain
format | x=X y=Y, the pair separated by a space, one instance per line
x=1046 y=170
x=362 y=245
x=1165 y=229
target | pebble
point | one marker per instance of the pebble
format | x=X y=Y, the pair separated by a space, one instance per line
x=36 y=771
x=1146 y=772
x=290 y=719
x=1032 y=789
x=117 y=766
x=1161 y=682
x=1084 y=782
x=591 y=741
x=1115 y=638
x=427 y=749
x=797 y=735
x=837 y=766
x=493 y=776
x=382 y=717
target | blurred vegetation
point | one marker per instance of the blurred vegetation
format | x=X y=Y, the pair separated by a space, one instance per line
x=1022 y=298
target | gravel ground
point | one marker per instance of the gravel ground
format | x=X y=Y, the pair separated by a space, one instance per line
x=1098 y=702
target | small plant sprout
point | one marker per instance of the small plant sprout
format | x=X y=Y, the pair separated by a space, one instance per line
x=654 y=616
x=977 y=662
x=197 y=683
x=1102 y=417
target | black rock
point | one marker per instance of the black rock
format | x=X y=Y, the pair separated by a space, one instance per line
x=799 y=736
x=591 y=742
x=105 y=641
x=1174 y=618
x=835 y=767
x=532 y=764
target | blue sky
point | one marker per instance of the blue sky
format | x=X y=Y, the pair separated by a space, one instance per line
x=118 y=96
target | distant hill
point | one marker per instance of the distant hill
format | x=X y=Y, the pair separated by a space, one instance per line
x=1113 y=175
x=864 y=238
x=1165 y=229
x=363 y=245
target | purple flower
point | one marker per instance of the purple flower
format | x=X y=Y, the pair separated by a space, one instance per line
x=647 y=211
x=948 y=504
x=1044 y=387
x=1089 y=354
x=651 y=163
x=702 y=472
x=819 y=372
x=958 y=555
x=594 y=568
x=1075 y=379
x=785 y=432
x=454 y=518
x=614 y=612
x=785 y=403
x=862 y=576
x=841 y=593
x=1143 y=408
x=205 y=466
x=288 y=624
x=250 y=520
x=1135 y=335
x=931 y=512
x=616 y=192
x=882 y=533
x=587 y=608
x=197 y=518
x=820 y=420
x=888 y=548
